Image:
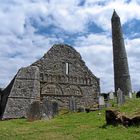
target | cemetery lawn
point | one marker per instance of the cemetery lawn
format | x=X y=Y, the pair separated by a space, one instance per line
x=72 y=126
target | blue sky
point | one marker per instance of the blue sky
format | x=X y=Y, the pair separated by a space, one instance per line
x=29 y=28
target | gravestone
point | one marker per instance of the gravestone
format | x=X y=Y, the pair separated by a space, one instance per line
x=120 y=97
x=34 y=111
x=42 y=110
x=54 y=108
x=72 y=104
x=101 y=102
x=47 y=110
x=130 y=95
x=111 y=95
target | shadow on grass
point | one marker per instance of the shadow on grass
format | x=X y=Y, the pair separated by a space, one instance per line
x=104 y=126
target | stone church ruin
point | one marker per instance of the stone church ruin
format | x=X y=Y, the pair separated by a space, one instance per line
x=59 y=75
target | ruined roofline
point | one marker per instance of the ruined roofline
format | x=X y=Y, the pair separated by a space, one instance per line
x=71 y=48
x=62 y=45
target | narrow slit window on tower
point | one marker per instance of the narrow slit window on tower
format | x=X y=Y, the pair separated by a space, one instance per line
x=67 y=68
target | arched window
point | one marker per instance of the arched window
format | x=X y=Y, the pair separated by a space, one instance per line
x=67 y=68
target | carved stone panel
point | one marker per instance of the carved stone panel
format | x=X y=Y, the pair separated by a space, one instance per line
x=73 y=90
x=51 y=89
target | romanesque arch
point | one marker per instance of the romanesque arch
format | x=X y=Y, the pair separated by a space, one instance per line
x=73 y=90
x=52 y=89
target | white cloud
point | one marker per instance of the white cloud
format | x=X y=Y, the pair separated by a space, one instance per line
x=133 y=50
x=20 y=45
x=96 y=50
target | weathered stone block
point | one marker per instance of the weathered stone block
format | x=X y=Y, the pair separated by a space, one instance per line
x=28 y=73
x=16 y=108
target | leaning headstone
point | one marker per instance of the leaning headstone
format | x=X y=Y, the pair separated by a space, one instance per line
x=54 y=108
x=72 y=104
x=120 y=97
x=111 y=95
x=101 y=102
x=34 y=111
x=47 y=110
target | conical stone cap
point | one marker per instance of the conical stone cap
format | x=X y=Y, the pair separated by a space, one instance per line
x=115 y=16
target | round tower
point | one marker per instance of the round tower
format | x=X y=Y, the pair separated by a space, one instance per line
x=121 y=69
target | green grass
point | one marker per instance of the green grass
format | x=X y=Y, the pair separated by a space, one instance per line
x=72 y=126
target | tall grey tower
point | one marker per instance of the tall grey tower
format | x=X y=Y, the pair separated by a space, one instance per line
x=121 y=70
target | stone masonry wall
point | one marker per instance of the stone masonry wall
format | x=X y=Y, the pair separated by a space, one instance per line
x=25 y=89
x=63 y=74
x=59 y=75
